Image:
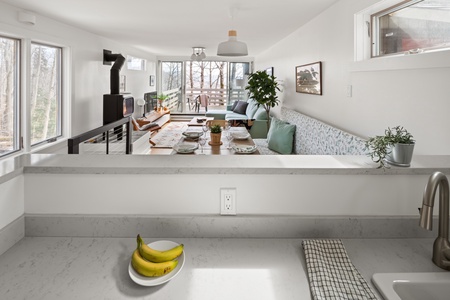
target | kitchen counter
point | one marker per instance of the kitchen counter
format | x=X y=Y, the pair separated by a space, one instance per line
x=226 y=268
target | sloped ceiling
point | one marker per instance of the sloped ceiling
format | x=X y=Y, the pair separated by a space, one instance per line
x=173 y=27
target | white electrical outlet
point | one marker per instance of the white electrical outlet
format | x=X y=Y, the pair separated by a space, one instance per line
x=228 y=201
x=349 y=91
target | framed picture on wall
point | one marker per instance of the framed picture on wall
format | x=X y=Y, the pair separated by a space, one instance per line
x=269 y=71
x=152 y=80
x=308 y=78
x=122 y=83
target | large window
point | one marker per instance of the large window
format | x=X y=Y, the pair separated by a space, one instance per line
x=45 y=93
x=411 y=27
x=223 y=82
x=9 y=95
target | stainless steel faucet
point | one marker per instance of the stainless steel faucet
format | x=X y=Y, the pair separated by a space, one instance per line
x=441 y=246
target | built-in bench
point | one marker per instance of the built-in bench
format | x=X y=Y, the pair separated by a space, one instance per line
x=313 y=137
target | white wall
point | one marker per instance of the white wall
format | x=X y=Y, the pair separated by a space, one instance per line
x=416 y=98
x=12 y=203
x=198 y=194
x=89 y=77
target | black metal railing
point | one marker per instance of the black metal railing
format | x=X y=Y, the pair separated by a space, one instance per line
x=104 y=135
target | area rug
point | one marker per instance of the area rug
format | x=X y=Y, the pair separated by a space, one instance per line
x=169 y=135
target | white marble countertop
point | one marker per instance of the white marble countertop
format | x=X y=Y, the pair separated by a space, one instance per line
x=213 y=164
x=265 y=269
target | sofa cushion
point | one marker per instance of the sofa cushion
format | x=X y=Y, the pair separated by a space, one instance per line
x=235 y=116
x=252 y=107
x=260 y=114
x=234 y=105
x=241 y=107
x=281 y=136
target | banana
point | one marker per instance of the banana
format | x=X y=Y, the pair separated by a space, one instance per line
x=150 y=269
x=157 y=256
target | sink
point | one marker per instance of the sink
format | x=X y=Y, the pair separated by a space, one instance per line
x=412 y=286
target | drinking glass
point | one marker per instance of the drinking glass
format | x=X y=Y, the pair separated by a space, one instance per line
x=229 y=137
x=227 y=125
x=205 y=129
x=202 y=142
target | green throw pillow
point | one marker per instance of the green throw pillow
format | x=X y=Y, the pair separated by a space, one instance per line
x=281 y=136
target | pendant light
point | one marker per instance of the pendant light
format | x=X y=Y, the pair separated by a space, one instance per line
x=198 y=53
x=232 y=47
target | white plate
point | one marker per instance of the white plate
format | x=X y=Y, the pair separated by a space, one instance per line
x=185 y=147
x=240 y=135
x=152 y=281
x=193 y=134
x=244 y=149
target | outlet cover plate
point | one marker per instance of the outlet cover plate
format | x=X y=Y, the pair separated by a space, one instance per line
x=228 y=201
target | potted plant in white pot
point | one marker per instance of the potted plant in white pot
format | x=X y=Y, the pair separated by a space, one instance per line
x=395 y=147
x=263 y=88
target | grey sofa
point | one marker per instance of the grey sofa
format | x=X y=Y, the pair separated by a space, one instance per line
x=253 y=112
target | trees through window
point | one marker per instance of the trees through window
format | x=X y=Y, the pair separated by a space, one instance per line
x=9 y=95
x=45 y=100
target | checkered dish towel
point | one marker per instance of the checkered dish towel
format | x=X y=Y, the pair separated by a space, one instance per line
x=331 y=273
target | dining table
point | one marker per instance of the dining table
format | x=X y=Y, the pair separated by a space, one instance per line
x=240 y=143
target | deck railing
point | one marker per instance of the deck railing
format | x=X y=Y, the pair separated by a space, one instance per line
x=217 y=96
x=106 y=134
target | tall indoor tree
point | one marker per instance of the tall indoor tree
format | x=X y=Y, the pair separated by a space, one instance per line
x=263 y=88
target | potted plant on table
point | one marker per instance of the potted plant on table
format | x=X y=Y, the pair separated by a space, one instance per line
x=216 y=134
x=161 y=98
x=263 y=88
x=395 y=147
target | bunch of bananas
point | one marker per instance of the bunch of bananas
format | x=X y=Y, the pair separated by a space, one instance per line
x=151 y=262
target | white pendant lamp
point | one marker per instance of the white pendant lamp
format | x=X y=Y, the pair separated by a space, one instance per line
x=232 y=47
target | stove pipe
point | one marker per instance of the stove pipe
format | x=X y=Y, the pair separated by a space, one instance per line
x=118 y=60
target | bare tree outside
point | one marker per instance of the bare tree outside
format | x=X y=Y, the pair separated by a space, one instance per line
x=207 y=77
x=206 y=74
x=45 y=98
x=171 y=75
x=8 y=95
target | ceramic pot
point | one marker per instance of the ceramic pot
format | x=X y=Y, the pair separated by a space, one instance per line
x=400 y=155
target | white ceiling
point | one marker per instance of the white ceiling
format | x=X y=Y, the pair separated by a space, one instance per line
x=173 y=27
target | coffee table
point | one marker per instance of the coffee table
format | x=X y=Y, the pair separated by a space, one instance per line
x=194 y=122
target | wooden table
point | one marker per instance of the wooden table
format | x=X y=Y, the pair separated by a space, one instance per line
x=222 y=149
x=194 y=122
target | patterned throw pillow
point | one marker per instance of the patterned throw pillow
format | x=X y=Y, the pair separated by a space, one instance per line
x=281 y=136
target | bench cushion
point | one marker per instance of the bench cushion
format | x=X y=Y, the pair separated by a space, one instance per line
x=263 y=147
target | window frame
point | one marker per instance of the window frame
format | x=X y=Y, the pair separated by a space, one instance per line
x=375 y=32
x=59 y=94
x=362 y=60
x=17 y=143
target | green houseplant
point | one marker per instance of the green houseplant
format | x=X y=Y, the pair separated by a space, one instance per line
x=161 y=98
x=394 y=147
x=216 y=134
x=263 y=88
